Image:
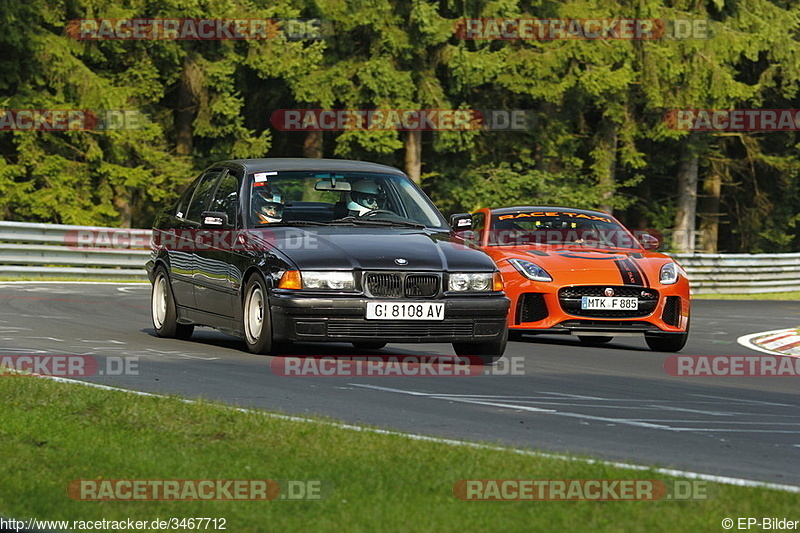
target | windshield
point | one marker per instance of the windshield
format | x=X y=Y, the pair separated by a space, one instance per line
x=570 y=228
x=284 y=198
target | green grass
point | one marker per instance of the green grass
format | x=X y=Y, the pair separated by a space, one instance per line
x=759 y=296
x=52 y=433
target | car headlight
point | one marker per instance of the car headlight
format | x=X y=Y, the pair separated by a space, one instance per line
x=530 y=270
x=318 y=280
x=472 y=282
x=669 y=273
x=336 y=281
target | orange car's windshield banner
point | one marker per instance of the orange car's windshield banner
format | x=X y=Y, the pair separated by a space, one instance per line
x=541 y=214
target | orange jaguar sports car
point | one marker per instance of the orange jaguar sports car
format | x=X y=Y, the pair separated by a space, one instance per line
x=583 y=273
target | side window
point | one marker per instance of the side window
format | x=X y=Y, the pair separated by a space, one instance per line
x=202 y=194
x=183 y=201
x=226 y=199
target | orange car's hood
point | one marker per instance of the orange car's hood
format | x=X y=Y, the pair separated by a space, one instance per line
x=589 y=266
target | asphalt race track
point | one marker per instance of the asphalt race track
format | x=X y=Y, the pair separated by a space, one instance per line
x=614 y=402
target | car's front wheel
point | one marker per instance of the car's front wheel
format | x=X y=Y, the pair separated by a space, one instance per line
x=256 y=317
x=485 y=353
x=666 y=342
x=163 y=311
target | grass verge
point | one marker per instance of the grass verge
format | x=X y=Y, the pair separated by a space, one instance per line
x=53 y=433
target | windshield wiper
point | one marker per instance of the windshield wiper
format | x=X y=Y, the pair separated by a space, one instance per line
x=291 y=223
x=377 y=222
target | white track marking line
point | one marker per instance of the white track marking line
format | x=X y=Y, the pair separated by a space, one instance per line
x=726 y=480
x=145 y=285
x=635 y=422
x=181 y=354
x=732 y=430
x=698 y=411
x=576 y=396
x=742 y=400
x=623 y=421
x=731 y=422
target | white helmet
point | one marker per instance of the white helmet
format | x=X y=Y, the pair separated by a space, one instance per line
x=268 y=205
x=365 y=196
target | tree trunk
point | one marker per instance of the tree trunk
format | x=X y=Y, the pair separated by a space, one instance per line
x=709 y=219
x=184 y=116
x=122 y=203
x=414 y=155
x=312 y=145
x=605 y=153
x=545 y=109
x=683 y=237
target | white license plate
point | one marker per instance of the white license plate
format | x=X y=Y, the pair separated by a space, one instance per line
x=405 y=311
x=615 y=303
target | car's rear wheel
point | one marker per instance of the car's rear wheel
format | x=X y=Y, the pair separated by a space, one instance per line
x=484 y=353
x=594 y=340
x=256 y=317
x=369 y=345
x=163 y=311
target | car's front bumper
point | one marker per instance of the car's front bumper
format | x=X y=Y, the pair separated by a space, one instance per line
x=317 y=319
x=670 y=314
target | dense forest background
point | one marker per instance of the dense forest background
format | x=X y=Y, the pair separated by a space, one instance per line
x=600 y=139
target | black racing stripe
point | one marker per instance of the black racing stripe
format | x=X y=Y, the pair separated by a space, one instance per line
x=628 y=271
x=641 y=271
x=536 y=252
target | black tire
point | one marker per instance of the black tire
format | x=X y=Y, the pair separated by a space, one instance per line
x=256 y=318
x=368 y=345
x=163 y=312
x=594 y=340
x=666 y=342
x=515 y=335
x=483 y=353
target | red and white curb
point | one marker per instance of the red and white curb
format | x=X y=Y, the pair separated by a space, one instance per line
x=775 y=342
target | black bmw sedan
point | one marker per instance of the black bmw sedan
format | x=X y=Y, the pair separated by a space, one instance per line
x=317 y=250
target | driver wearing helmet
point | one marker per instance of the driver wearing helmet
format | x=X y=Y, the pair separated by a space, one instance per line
x=365 y=196
x=267 y=205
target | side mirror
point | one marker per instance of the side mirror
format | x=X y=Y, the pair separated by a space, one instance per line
x=461 y=222
x=214 y=220
x=649 y=242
